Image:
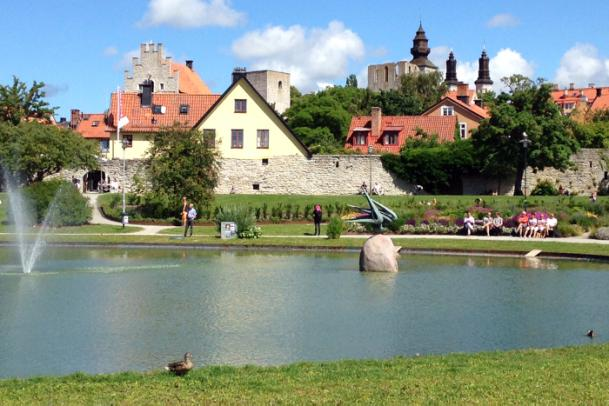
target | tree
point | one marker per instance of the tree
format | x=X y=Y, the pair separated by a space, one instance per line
x=18 y=103
x=426 y=88
x=31 y=151
x=525 y=108
x=182 y=163
x=351 y=81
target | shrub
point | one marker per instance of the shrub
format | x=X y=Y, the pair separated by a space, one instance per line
x=602 y=233
x=568 y=230
x=59 y=202
x=396 y=224
x=250 y=233
x=544 y=188
x=586 y=221
x=243 y=217
x=335 y=228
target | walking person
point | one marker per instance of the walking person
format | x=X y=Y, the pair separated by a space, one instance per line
x=190 y=220
x=317 y=219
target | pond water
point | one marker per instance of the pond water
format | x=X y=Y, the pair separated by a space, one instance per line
x=104 y=310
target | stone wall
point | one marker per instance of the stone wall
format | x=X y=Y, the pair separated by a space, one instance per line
x=584 y=178
x=320 y=175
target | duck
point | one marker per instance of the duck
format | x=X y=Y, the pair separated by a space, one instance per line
x=590 y=333
x=181 y=368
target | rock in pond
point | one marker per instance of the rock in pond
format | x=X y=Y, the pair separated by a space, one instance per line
x=379 y=255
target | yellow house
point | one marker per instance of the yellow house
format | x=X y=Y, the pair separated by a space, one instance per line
x=242 y=125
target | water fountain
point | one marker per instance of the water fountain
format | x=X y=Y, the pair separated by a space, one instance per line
x=19 y=209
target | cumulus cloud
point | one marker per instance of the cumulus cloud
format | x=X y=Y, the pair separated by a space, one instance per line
x=191 y=13
x=503 y=20
x=582 y=65
x=313 y=56
x=126 y=58
x=110 y=51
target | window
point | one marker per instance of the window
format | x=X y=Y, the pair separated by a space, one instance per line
x=236 y=139
x=390 y=138
x=104 y=146
x=184 y=108
x=95 y=124
x=265 y=161
x=262 y=139
x=209 y=136
x=359 y=139
x=386 y=74
x=448 y=111
x=162 y=86
x=463 y=130
x=280 y=85
x=240 y=106
x=127 y=141
x=157 y=109
x=569 y=106
x=256 y=186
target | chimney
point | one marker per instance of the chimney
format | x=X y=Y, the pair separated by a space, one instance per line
x=571 y=86
x=376 y=121
x=189 y=64
x=74 y=118
x=239 y=73
x=590 y=84
x=62 y=120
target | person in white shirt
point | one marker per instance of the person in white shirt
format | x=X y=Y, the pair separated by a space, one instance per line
x=190 y=219
x=532 y=227
x=468 y=223
x=551 y=224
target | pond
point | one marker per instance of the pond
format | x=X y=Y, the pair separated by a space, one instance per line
x=104 y=310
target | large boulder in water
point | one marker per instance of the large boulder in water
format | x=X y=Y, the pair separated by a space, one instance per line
x=379 y=255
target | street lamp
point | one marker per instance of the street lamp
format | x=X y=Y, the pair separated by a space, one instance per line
x=370 y=152
x=525 y=141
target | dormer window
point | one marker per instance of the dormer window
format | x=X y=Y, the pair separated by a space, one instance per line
x=184 y=108
x=390 y=138
x=158 y=109
x=448 y=111
x=95 y=124
x=359 y=138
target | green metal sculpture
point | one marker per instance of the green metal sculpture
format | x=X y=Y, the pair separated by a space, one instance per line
x=378 y=215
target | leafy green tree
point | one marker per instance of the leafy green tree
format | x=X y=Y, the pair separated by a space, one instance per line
x=525 y=108
x=18 y=102
x=351 y=81
x=438 y=167
x=426 y=88
x=182 y=163
x=31 y=151
x=395 y=103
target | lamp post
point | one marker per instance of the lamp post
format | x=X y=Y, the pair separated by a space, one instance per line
x=370 y=151
x=525 y=141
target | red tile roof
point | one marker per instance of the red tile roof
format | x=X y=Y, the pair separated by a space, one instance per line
x=189 y=81
x=143 y=119
x=589 y=95
x=93 y=126
x=442 y=126
x=474 y=108
x=601 y=102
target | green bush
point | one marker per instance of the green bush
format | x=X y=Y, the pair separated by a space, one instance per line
x=242 y=216
x=59 y=202
x=568 y=230
x=584 y=220
x=250 y=233
x=602 y=233
x=397 y=224
x=544 y=188
x=335 y=228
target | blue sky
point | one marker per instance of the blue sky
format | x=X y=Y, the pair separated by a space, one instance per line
x=81 y=48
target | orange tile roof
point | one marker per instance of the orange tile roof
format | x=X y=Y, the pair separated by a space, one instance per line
x=93 y=126
x=142 y=119
x=574 y=96
x=601 y=102
x=189 y=81
x=443 y=126
x=474 y=108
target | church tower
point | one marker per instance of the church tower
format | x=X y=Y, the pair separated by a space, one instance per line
x=451 y=72
x=484 y=82
x=420 y=51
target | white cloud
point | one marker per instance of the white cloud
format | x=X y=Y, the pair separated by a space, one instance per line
x=191 y=13
x=502 y=21
x=126 y=58
x=313 y=56
x=52 y=90
x=438 y=55
x=110 y=51
x=582 y=65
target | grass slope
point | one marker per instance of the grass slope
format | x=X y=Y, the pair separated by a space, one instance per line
x=577 y=375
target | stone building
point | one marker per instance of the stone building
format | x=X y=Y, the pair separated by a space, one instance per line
x=274 y=86
x=386 y=76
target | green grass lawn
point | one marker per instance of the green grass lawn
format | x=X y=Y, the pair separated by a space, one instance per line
x=267 y=229
x=576 y=375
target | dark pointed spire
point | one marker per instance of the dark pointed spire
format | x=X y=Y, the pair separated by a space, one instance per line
x=420 y=50
x=484 y=74
x=451 y=70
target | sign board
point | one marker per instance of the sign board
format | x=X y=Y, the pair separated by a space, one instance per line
x=228 y=230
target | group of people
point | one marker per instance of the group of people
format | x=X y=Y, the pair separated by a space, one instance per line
x=530 y=225
x=376 y=189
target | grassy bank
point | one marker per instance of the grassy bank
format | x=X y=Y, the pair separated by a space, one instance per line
x=576 y=375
